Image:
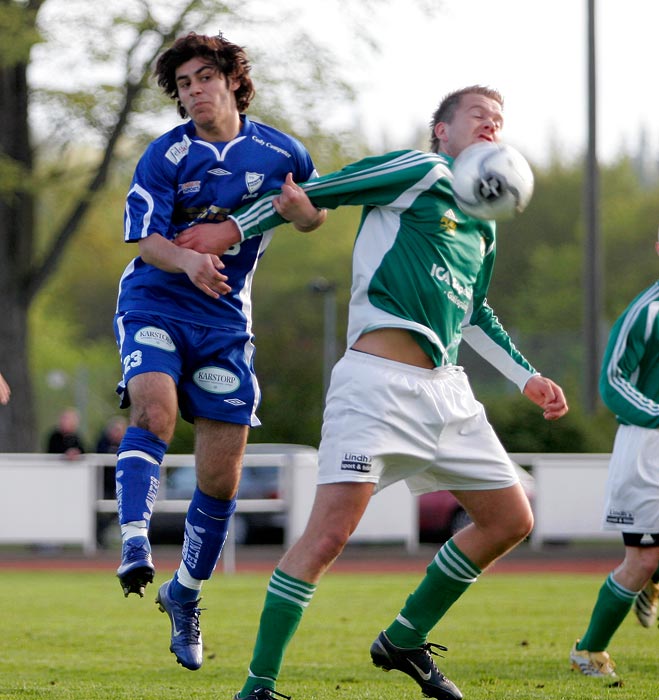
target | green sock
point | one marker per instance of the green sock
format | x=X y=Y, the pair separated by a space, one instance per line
x=613 y=604
x=285 y=601
x=447 y=577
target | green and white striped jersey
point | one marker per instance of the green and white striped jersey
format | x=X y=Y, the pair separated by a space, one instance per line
x=629 y=381
x=419 y=262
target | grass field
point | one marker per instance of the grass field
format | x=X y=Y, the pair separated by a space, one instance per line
x=73 y=635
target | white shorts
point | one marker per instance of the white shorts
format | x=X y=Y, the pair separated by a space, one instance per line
x=632 y=488
x=385 y=421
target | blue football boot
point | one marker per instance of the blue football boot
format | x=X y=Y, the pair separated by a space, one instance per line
x=136 y=568
x=186 y=642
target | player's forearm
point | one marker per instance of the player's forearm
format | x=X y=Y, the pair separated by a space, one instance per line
x=160 y=252
x=311 y=224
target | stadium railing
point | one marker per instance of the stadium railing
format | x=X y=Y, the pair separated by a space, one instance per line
x=65 y=496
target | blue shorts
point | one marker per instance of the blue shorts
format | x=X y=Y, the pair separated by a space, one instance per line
x=213 y=368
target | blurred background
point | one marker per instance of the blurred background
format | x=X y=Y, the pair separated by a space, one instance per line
x=79 y=104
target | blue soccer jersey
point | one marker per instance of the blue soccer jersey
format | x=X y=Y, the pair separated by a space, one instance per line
x=182 y=180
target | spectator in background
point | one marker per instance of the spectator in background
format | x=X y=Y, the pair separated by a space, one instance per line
x=108 y=443
x=110 y=439
x=5 y=391
x=65 y=439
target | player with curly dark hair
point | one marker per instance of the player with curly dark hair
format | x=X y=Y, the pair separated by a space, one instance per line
x=184 y=336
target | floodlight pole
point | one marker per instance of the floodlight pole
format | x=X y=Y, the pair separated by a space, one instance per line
x=592 y=250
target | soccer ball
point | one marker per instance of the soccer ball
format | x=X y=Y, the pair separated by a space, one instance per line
x=492 y=181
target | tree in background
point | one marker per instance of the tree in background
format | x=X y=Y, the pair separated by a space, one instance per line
x=104 y=108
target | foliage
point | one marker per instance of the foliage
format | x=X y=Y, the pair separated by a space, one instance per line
x=58 y=109
x=73 y=259
x=536 y=292
x=521 y=427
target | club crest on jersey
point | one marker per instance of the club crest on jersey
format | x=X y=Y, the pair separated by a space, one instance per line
x=448 y=223
x=254 y=181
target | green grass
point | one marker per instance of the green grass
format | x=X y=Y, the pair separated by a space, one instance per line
x=73 y=635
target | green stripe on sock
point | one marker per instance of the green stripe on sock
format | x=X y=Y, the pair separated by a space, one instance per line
x=612 y=605
x=285 y=601
x=447 y=577
x=290 y=588
x=455 y=564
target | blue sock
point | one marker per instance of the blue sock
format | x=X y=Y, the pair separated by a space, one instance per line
x=138 y=474
x=206 y=527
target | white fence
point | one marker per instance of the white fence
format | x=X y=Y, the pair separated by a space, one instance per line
x=569 y=496
x=47 y=499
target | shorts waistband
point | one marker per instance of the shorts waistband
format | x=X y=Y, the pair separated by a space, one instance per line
x=434 y=373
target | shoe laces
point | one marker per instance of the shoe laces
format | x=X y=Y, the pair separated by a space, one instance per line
x=429 y=649
x=135 y=550
x=429 y=646
x=271 y=693
x=191 y=630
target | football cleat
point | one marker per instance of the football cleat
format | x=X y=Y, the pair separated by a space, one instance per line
x=416 y=663
x=596 y=664
x=262 y=694
x=647 y=603
x=136 y=568
x=186 y=641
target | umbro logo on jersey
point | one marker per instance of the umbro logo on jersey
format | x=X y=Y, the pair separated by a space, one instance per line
x=219 y=172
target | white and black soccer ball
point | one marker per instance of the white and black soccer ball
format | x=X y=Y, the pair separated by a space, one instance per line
x=492 y=181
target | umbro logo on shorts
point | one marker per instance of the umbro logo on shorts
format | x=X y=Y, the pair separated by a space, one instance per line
x=234 y=402
x=353 y=462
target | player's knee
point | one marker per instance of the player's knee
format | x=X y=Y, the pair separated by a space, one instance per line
x=517 y=528
x=526 y=525
x=331 y=543
x=156 y=419
x=647 y=560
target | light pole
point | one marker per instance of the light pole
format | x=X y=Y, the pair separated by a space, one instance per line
x=592 y=249
x=328 y=291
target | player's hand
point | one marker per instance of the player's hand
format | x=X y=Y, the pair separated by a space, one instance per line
x=5 y=391
x=209 y=238
x=295 y=206
x=204 y=272
x=548 y=395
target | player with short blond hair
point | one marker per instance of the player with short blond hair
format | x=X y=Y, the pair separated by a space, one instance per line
x=399 y=407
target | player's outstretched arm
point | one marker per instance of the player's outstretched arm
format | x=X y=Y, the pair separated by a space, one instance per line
x=203 y=269
x=294 y=205
x=215 y=239
x=548 y=395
